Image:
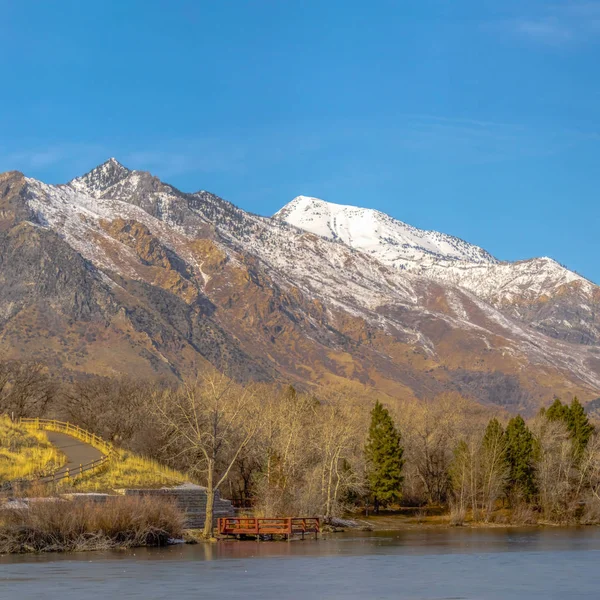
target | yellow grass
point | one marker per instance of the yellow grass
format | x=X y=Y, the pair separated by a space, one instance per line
x=127 y=470
x=73 y=430
x=122 y=469
x=24 y=453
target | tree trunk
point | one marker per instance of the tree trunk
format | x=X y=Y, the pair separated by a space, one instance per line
x=329 y=484
x=210 y=503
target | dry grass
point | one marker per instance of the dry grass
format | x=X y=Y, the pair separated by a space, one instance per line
x=591 y=511
x=121 y=522
x=458 y=515
x=123 y=470
x=25 y=453
x=523 y=514
x=127 y=470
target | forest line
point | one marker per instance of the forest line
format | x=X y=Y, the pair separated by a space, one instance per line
x=280 y=451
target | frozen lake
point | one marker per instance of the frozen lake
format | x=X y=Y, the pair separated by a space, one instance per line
x=433 y=564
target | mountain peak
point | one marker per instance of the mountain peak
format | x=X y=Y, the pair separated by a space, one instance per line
x=376 y=233
x=113 y=162
x=101 y=177
x=303 y=210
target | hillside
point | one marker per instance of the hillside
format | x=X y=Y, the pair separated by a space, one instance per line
x=118 y=272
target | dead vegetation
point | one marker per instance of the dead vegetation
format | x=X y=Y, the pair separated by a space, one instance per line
x=279 y=451
x=128 y=470
x=26 y=389
x=52 y=525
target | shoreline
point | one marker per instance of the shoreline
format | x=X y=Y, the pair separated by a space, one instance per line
x=383 y=523
x=190 y=537
x=37 y=542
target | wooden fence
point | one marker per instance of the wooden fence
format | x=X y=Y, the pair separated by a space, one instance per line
x=95 y=466
x=73 y=430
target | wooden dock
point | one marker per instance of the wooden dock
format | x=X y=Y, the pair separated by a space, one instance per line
x=262 y=527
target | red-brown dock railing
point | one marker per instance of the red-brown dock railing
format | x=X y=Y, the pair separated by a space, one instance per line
x=257 y=526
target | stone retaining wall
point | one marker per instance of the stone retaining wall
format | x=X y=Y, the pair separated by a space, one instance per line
x=191 y=500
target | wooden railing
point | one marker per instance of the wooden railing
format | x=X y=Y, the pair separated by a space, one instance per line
x=73 y=430
x=95 y=466
x=259 y=526
x=111 y=455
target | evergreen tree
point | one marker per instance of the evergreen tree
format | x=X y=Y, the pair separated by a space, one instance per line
x=383 y=453
x=580 y=427
x=520 y=449
x=577 y=422
x=494 y=438
x=557 y=411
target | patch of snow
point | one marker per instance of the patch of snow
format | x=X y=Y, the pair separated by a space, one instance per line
x=375 y=233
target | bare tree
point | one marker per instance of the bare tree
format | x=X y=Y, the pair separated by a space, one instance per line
x=494 y=467
x=465 y=474
x=340 y=441
x=208 y=422
x=115 y=408
x=309 y=455
x=556 y=475
x=26 y=389
x=589 y=480
x=288 y=453
x=431 y=432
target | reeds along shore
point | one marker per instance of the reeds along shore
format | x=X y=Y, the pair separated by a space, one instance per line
x=53 y=526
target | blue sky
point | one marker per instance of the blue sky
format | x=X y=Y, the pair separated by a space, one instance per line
x=477 y=118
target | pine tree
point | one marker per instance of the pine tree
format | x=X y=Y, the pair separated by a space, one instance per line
x=580 y=428
x=494 y=437
x=520 y=454
x=384 y=457
x=577 y=422
x=557 y=411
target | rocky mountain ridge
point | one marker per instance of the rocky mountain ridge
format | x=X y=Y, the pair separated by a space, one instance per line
x=117 y=271
x=508 y=286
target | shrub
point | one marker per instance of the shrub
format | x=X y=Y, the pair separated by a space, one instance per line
x=591 y=511
x=523 y=514
x=119 y=522
x=458 y=515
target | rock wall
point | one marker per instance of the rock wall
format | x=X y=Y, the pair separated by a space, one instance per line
x=191 y=500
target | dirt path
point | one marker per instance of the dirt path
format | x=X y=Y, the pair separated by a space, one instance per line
x=77 y=452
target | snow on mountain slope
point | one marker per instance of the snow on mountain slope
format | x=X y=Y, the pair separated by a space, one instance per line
x=355 y=280
x=377 y=287
x=393 y=242
x=101 y=178
x=505 y=283
x=76 y=210
x=432 y=254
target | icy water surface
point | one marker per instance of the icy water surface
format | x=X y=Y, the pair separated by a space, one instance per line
x=417 y=565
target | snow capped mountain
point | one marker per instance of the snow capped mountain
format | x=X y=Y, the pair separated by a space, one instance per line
x=321 y=292
x=513 y=287
x=391 y=241
x=101 y=178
